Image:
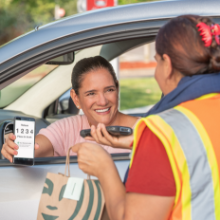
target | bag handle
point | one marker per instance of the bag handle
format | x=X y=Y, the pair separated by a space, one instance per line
x=67 y=167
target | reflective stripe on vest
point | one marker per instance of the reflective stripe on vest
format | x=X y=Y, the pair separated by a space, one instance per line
x=192 y=159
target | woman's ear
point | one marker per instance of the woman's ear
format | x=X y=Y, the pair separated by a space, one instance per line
x=168 y=69
x=75 y=98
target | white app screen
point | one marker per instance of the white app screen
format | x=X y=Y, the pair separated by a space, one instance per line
x=24 y=132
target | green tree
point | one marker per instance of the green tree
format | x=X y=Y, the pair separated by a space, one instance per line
x=42 y=11
x=20 y=16
x=13 y=21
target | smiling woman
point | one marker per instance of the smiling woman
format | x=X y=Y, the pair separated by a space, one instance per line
x=95 y=91
x=98 y=94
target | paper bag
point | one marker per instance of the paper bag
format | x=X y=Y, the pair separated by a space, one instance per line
x=90 y=206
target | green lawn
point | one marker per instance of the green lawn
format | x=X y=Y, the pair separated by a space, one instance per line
x=138 y=92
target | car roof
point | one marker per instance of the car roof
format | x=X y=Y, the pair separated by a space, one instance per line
x=104 y=18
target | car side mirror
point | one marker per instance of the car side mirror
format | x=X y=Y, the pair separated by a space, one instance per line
x=62 y=60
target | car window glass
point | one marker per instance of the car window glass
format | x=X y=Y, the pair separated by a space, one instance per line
x=16 y=89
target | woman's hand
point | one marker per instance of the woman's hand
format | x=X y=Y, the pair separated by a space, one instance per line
x=101 y=136
x=9 y=148
x=93 y=159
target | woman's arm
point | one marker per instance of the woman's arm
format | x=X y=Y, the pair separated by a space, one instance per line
x=45 y=148
x=94 y=160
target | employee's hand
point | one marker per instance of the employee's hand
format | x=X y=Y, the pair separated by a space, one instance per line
x=101 y=136
x=93 y=159
x=9 y=148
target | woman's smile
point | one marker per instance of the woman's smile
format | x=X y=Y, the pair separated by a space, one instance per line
x=103 y=111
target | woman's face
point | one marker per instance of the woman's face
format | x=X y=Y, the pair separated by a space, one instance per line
x=98 y=97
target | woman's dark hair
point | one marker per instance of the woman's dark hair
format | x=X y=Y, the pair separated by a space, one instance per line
x=86 y=65
x=181 y=41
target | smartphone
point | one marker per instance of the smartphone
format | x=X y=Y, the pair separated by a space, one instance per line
x=113 y=130
x=24 y=130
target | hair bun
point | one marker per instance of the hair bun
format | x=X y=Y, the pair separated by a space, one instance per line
x=215 y=60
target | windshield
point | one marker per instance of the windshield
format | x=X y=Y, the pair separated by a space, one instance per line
x=19 y=87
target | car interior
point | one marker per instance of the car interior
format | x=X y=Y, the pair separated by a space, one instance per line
x=44 y=88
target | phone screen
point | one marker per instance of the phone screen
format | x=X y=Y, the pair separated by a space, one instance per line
x=25 y=134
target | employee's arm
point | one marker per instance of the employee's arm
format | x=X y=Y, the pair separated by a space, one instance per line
x=95 y=161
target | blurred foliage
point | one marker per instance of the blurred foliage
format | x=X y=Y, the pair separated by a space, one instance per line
x=20 y=16
x=13 y=21
x=42 y=11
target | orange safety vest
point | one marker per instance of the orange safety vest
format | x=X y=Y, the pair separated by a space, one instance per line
x=190 y=133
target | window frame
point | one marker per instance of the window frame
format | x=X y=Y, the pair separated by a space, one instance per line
x=62 y=160
x=20 y=65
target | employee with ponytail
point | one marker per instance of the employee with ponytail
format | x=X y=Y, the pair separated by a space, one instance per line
x=174 y=171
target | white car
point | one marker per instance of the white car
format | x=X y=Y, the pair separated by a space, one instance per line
x=30 y=87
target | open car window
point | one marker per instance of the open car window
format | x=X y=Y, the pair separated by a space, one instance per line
x=47 y=98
